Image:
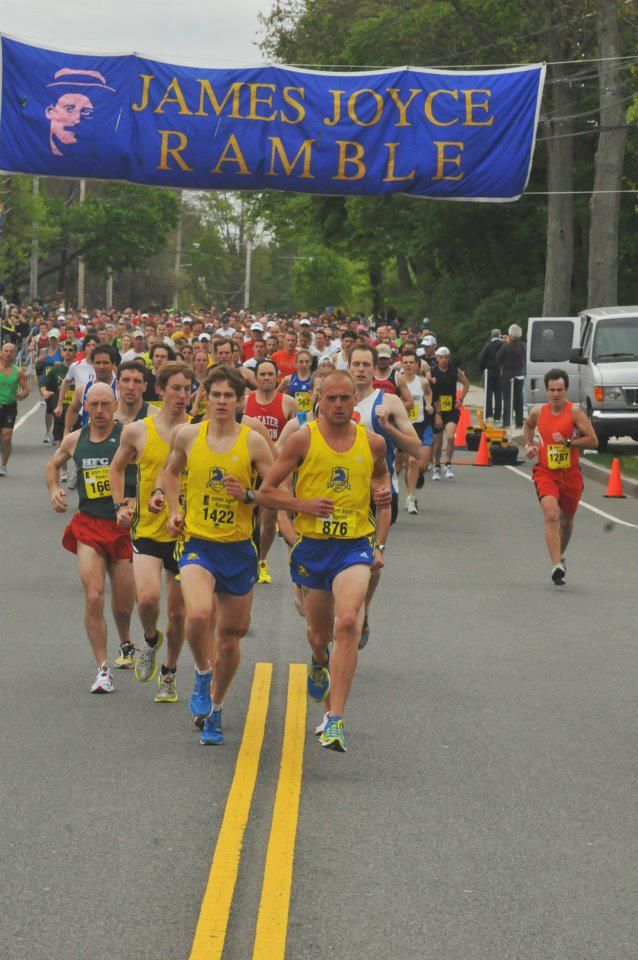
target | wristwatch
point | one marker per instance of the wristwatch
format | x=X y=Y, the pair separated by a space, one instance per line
x=120 y=503
x=568 y=442
x=381 y=547
x=250 y=497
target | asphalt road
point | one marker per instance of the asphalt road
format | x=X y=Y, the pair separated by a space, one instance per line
x=485 y=810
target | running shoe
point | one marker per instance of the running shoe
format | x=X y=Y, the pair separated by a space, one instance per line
x=410 y=505
x=200 y=703
x=436 y=473
x=166 y=689
x=318 y=682
x=365 y=633
x=264 y=572
x=103 y=681
x=3 y=470
x=322 y=726
x=212 y=734
x=333 y=737
x=449 y=473
x=558 y=575
x=72 y=481
x=63 y=476
x=47 y=439
x=145 y=665
x=126 y=658
x=420 y=480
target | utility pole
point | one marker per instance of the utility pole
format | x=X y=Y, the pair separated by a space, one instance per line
x=109 y=288
x=80 y=260
x=249 y=259
x=178 y=249
x=33 y=278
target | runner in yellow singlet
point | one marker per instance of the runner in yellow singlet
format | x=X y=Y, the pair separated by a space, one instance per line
x=218 y=560
x=337 y=463
x=146 y=443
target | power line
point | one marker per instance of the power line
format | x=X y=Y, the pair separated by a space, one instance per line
x=585 y=133
x=574 y=193
x=587 y=113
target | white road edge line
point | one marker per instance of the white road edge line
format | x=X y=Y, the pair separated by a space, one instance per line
x=26 y=416
x=588 y=506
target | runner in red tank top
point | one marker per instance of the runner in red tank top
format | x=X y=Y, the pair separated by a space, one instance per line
x=274 y=410
x=564 y=430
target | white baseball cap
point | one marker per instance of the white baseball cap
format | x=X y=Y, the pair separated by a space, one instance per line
x=204 y=336
x=442 y=352
x=257 y=326
x=54 y=333
x=429 y=341
x=304 y=323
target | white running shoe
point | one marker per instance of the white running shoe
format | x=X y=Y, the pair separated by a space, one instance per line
x=449 y=473
x=410 y=505
x=322 y=726
x=72 y=480
x=103 y=681
x=436 y=473
x=3 y=470
x=63 y=476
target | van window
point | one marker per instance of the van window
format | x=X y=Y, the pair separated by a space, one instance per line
x=551 y=340
x=587 y=340
x=616 y=340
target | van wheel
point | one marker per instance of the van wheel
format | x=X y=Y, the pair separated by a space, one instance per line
x=603 y=442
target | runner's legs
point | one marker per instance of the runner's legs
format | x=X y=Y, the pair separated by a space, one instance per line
x=198 y=588
x=92 y=570
x=233 y=620
x=349 y=590
x=122 y=597
x=549 y=506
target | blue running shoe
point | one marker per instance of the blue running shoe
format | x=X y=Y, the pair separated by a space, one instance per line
x=200 y=703
x=319 y=679
x=333 y=737
x=212 y=734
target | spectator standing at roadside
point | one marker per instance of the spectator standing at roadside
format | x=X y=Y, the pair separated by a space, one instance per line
x=510 y=361
x=487 y=362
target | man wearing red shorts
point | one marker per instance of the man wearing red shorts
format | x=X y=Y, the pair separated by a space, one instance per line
x=564 y=430
x=93 y=535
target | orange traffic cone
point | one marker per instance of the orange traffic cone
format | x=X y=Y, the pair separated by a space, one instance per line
x=482 y=458
x=614 y=487
x=465 y=422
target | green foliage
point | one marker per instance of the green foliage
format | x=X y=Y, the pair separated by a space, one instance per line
x=321 y=279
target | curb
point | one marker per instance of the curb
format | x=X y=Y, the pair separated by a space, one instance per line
x=601 y=475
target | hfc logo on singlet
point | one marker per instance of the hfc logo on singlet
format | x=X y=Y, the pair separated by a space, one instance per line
x=339 y=479
x=216 y=479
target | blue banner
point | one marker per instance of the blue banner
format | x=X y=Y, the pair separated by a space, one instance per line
x=453 y=135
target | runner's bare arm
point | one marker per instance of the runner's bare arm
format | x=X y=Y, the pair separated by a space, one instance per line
x=404 y=392
x=73 y=409
x=465 y=383
x=283 y=386
x=261 y=457
x=428 y=400
x=249 y=377
x=126 y=453
x=293 y=426
x=172 y=471
x=587 y=439
x=393 y=417
x=379 y=481
x=289 y=407
x=259 y=428
x=64 y=386
x=269 y=495
x=529 y=429
x=64 y=453
x=24 y=384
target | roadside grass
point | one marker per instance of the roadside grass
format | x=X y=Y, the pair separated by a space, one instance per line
x=628 y=459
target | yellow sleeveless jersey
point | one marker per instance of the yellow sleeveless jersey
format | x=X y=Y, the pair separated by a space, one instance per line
x=211 y=513
x=146 y=524
x=341 y=477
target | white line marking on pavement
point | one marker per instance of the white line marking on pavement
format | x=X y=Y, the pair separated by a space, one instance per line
x=588 y=506
x=26 y=416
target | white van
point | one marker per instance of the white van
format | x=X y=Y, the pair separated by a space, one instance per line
x=599 y=351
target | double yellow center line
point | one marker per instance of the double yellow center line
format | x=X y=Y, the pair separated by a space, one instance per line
x=272 y=921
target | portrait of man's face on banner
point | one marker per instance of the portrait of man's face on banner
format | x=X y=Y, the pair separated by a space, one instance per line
x=76 y=96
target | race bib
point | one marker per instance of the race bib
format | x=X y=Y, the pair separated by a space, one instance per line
x=96 y=483
x=219 y=512
x=342 y=523
x=413 y=414
x=304 y=402
x=559 y=456
x=446 y=404
x=68 y=398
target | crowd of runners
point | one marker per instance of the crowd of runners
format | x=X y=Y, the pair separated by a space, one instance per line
x=196 y=442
